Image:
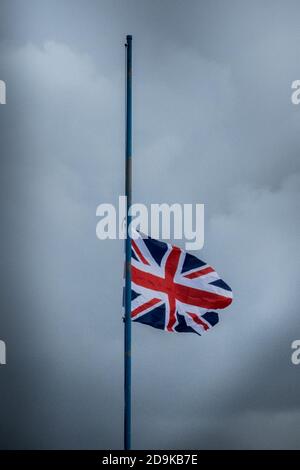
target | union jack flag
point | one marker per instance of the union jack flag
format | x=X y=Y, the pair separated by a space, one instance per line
x=173 y=290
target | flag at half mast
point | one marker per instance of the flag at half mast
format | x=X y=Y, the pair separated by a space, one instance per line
x=173 y=290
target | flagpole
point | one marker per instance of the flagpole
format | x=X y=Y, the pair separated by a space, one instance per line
x=128 y=194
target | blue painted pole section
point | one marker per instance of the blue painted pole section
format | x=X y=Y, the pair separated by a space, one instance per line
x=128 y=193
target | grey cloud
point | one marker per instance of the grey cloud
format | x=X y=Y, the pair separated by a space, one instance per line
x=213 y=123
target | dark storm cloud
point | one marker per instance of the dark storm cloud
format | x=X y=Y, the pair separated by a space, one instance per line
x=213 y=123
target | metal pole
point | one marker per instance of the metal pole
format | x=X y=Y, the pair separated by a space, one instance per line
x=128 y=193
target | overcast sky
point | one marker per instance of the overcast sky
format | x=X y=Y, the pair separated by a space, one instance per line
x=214 y=124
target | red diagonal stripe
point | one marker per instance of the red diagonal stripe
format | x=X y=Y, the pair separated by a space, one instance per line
x=139 y=253
x=198 y=320
x=144 y=306
x=199 y=273
x=147 y=280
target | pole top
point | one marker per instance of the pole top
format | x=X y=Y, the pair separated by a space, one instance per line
x=129 y=37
